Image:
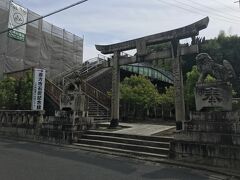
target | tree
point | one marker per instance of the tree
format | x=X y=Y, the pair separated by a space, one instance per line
x=166 y=100
x=192 y=78
x=138 y=91
x=16 y=94
x=8 y=94
x=24 y=91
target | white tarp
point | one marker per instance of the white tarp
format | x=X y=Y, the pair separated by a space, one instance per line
x=45 y=46
x=38 y=89
x=17 y=16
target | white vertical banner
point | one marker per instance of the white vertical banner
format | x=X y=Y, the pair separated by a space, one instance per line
x=17 y=16
x=38 y=89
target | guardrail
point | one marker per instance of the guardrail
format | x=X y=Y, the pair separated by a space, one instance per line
x=87 y=65
x=53 y=91
x=99 y=96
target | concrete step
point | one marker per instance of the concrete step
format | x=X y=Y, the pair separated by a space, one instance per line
x=132 y=147
x=99 y=117
x=127 y=140
x=98 y=120
x=98 y=114
x=93 y=110
x=97 y=111
x=140 y=137
x=118 y=151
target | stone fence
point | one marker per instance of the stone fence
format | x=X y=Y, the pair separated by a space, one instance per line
x=33 y=125
x=209 y=138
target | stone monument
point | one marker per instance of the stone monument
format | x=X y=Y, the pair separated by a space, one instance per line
x=216 y=94
x=212 y=135
x=73 y=112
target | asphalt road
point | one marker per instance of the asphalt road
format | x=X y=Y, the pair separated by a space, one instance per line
x=30 y=161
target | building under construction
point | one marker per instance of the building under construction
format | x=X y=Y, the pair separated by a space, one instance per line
x=44 y=45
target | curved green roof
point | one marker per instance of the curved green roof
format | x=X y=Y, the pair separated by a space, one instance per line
x=149 y=71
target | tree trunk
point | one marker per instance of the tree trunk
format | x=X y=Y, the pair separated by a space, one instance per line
x=147 y=112
x=162 y=113
x=155 y=111
x=134 y=110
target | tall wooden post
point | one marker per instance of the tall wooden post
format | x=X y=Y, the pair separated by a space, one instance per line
x=115 y=91
x=178 y=85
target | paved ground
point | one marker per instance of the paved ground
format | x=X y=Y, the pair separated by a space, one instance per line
x=142 y=129
x=29 y=161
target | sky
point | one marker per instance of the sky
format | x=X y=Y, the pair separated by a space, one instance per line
x=112 y=21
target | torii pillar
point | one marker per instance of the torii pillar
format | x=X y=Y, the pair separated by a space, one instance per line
x=115 y=90
x=178 y=85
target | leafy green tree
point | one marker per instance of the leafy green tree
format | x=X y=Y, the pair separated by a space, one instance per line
x=16 y=94
x=192 y=78
x=139 y=92
x=166 y=100
x=8 y=96
x=24 y=91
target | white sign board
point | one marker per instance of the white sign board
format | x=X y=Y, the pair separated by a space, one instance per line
x=17 y=16
x=38 y=89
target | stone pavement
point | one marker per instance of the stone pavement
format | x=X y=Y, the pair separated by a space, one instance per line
x=142 y=129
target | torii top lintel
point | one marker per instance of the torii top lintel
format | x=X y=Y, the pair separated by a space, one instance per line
x=177 y=34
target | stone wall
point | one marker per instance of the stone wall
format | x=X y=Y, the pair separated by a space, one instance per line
x=18 y=123
x=33 y=125
x=211 y=138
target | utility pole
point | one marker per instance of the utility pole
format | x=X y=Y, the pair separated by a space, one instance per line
x=238 y=2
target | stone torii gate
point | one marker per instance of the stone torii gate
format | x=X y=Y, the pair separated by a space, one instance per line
x=143 y=54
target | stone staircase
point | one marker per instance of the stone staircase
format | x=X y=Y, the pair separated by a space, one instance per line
x=98 y=102
x=98 y=112
x=125 y=144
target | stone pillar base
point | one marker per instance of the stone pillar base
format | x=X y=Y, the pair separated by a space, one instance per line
x=114 y=123
x=210 y=138
x=179 y=125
